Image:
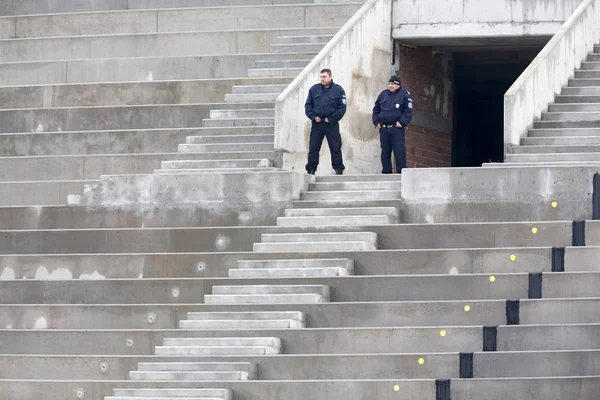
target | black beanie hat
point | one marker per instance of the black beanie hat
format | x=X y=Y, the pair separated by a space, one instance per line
x=395 y=80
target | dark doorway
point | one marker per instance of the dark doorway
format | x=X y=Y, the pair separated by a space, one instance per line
x=480 y=81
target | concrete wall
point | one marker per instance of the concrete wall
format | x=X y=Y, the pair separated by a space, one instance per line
x=359 y=56
x=428 y=75
x=476 y=18
x=550 y=71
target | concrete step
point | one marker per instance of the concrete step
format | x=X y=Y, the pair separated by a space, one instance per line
x=566 y=107
x=543 y=164
x=242 y=324
x=354 y=186
x=313 y=246
x=207 y=164
x=227 y=299
x=289 y=272
x=320 y=237
x=91 y=167
x=588 y=71
x=576 y=99
x=297 y=263
x=231 y=155
x=322 y=290
x=230 y=138
x=138 y=69
x=189 y=376
x=297 y=47
x=198 y=366
x=254 y=89
x=273 y=72
x=246 y=316
x=229 y=346
x=583 y=82
x=250 y=113
x=337 y=212
x=286 y=56
x=251 y=97
x=266 y=121
x=214 y=171
x=571 y=116
x=588 y=66
x=224 y=394
x=593 y=57
x=303 y=39
x=556 y=149
x=159 y=44
x=563 y=140
x=344 y=203
x=360 y=178
x=343 y=220
x=40 y=193
x=567 y=124
x=581 y=90
x=352 y=195
x=559 y=132
x=92 y=142
x=200 y=18
x=223 y=147
x=288 y=64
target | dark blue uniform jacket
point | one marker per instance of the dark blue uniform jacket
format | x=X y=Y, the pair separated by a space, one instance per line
x=393 y=107
x=326 y=103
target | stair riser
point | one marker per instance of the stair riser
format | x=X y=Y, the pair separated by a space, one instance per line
x=267 y=73
x=189 y=376
x=261 y=138
x=243 y=316
x=311 y=247
x=303 y=39
x=354 y=186
x=289 y=273
x=337 y=212
x=318 y=237
x=369 y=220
x=199 y=148
x=254 y=89
x=297 y=48
x=265 y=299
x=216 y=123
x=218 y=325
x=300 y=263
x=224 y=114
x=286 y=64
x=249 y=98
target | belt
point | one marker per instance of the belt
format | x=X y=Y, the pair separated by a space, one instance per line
x=388 y=126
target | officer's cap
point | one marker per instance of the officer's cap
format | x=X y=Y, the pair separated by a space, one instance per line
x=395 y=80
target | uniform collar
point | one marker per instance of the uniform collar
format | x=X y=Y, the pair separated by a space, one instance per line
x=330 y=85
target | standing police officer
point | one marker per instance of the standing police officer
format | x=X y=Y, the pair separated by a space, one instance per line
x=325 y=107
x=392 y=113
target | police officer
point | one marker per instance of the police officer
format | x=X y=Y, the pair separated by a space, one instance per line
x=325 y=107
x=392 y=113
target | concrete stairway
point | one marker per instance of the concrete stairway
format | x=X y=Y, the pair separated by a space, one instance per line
x=337 y=298
x=121 y=108
x=568 y=134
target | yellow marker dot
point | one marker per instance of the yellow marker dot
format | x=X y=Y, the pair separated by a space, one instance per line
x=554 y=204
x=421 y=361
x=513 y=257
x=442 y=333
x=492 y=279
x=396 y=388
x=534 y=230
x=467 y=308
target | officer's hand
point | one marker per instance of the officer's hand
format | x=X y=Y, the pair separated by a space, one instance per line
x=378 y=126
x=326 y=120
x=317 y=120
x=398 y=125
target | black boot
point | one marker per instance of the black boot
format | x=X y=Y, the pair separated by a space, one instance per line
x=339 y=171
x=311 y=172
